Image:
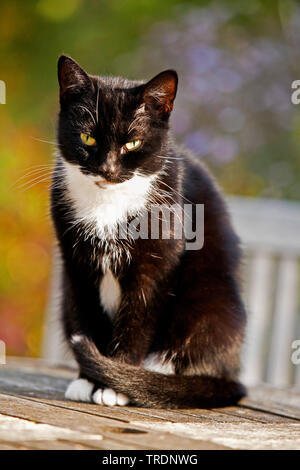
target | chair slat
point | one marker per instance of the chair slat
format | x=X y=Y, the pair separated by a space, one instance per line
x=284 y=322
x=297 y=366
x=258 y=303
x=54 y=347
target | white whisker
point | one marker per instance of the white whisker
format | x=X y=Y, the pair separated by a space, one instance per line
x=45 y=141
x=88 y=111
x=168 y=158
x=38 y=179
x=97 y=104
x=31 y=173
x=37 y=182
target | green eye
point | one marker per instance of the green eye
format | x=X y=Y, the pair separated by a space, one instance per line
x=135 y=144
x=87 y=139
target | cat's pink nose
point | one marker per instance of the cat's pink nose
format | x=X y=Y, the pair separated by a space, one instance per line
x=108 y=170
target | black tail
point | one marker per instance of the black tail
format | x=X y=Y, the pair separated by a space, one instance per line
x=151 y=389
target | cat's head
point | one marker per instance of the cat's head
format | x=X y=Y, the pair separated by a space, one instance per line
x=113 y=128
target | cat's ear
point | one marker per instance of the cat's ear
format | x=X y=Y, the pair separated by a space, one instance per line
x=160 y=92
x=71 y=77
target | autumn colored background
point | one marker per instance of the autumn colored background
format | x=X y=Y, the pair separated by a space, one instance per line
x=236 y=62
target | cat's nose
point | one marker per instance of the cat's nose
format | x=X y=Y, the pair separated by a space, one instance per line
x=108 y=170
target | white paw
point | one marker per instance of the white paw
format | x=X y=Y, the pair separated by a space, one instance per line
x=122 y=400
x=76 y=339
x=109 y=397
x=79 y=390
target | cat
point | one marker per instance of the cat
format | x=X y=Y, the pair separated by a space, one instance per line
x=150 y=322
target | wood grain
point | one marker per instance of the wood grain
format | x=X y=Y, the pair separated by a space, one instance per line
x=35 y=415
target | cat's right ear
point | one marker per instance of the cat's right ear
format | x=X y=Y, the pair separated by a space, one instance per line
x=160 y=92
x=72 y=79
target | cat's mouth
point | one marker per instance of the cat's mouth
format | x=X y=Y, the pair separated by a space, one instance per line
x=106 y=182
x=103 y=183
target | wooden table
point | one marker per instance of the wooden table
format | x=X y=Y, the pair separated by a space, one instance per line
x=35 y=415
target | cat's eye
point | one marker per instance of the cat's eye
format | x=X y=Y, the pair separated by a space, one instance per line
x=87 y=139
x=134 y=145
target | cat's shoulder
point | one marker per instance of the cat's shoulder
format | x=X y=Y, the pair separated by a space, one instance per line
x=199 y=184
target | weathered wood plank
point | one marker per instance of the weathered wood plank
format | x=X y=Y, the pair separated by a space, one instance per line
x=16 y=430
x=124 y=435
x=53 y=394
x=14 y=381
x=29 y=384
x=54 y=445
x=285 y=403
x=249 y=414
x=51 y=390
x=11 y=446
x=243 y=435
x=267 y=418
x=38 y=365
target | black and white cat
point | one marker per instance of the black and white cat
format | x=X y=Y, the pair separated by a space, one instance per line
x=150 y=322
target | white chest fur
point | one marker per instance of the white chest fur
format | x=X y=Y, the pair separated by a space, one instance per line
x=110 y=294
x=103 y=209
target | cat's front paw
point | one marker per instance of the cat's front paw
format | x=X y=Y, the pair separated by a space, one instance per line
x=80 y=390
x=109 y=397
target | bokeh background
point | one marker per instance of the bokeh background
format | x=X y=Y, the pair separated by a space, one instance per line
x=236 y=62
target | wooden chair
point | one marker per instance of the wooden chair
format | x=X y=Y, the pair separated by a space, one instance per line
x=270 y=235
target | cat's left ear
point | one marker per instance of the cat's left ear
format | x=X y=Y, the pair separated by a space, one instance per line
x=72 y=78
x=160 y=92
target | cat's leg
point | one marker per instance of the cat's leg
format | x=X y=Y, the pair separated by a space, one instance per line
x=206 y=332
x=143 y=287
x=134 y=324
x=82 y=314
x=133 y=328
x=132 y=334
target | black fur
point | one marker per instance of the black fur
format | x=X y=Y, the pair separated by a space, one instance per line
x=183 y=304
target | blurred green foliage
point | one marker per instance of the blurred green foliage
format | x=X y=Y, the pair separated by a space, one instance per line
x=106 y=37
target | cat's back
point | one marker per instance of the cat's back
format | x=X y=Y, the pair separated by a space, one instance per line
x=199 y=186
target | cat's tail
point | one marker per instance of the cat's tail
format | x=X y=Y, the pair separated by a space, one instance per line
x=150 y=389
